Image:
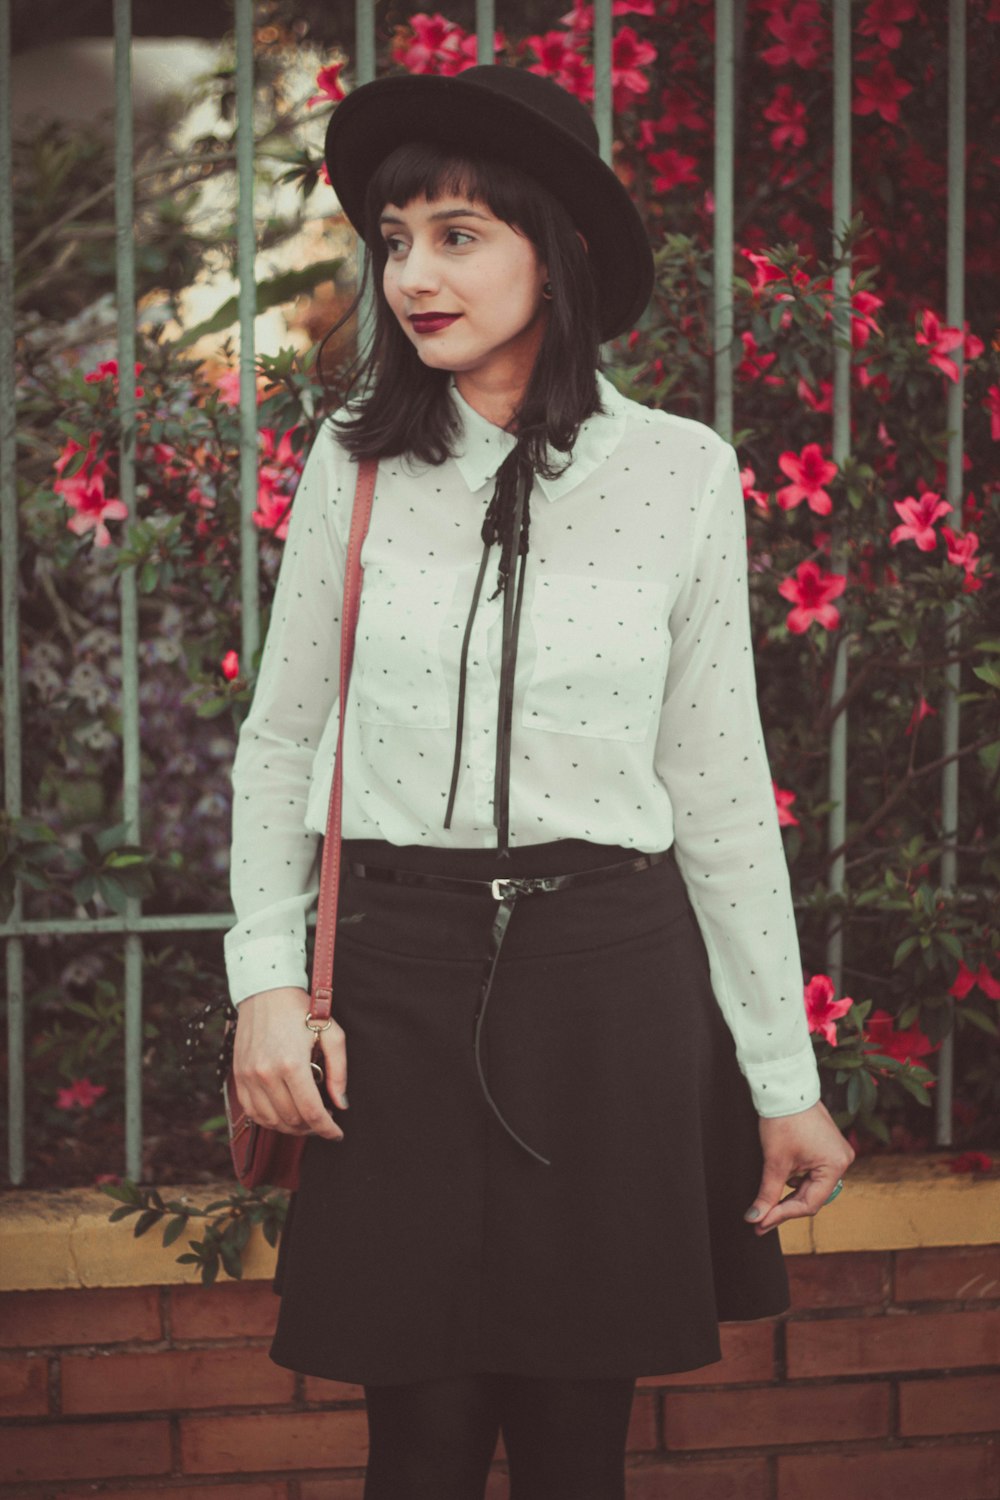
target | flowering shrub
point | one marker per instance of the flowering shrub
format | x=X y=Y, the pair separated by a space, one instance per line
x=867 y=551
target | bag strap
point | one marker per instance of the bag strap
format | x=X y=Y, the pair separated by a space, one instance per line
x=329 y=879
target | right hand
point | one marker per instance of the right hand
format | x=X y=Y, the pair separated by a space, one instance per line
x=271 y=1064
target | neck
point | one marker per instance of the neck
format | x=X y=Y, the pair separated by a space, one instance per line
x=496 y=400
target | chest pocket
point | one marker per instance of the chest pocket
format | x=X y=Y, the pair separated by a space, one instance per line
x=601 y=658
x=398 y=674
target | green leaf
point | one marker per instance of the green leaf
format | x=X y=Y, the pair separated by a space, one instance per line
x=950 y=943
x=989 y=674
x=146 y=1221
x=968 y=1015
x=173 y=1230
x=279 y=289
x=904 y=949
x=122 y=1213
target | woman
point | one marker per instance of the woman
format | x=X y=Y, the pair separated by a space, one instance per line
x=575 y=1102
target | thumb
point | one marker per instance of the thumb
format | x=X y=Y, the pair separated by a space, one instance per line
x=770 y=1192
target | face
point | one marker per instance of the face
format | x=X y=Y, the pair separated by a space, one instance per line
x=466 y=288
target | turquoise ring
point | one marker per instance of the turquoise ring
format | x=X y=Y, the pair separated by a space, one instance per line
x=839 y=1188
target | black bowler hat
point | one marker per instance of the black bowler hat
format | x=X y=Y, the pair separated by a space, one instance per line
x=520 y=118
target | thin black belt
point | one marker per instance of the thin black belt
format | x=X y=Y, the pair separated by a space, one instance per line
x=506 y=891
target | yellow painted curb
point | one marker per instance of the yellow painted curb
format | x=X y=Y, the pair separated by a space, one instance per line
x=64 y=1238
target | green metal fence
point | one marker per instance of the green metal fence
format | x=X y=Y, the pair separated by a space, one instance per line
x=133 y=925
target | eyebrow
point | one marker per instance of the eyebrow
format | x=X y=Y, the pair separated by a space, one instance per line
x=442 y=213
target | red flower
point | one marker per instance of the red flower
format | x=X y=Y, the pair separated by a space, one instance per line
x=922 y=711
x=992 y=405
x=329 y=85
x=971 y=1161
x=784 y=800
x=919 y=516
x=881 y=92
x=765 y=271
x=673 y=170
x=754 y=364
x=822 y=1010
x=230 y=666
x=680 y=112
x=629 y=53
x=881 y=17
x=108 y=370
x=80 y=1094
x=809 y=472
x=789 y=115
x=84 y=494
x=905 y=1046
x=966 y=980
x=821 y=402
x=940 y=341
x=799 y=34
x=811 y=591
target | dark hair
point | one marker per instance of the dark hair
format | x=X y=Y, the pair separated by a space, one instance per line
x=403 y=406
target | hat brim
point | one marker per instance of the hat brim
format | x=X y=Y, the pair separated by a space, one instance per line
x=375 y=119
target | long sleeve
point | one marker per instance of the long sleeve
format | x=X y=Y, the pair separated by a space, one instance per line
x=711 y=757
x=273 y=873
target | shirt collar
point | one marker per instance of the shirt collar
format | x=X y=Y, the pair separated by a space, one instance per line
x=482 y=447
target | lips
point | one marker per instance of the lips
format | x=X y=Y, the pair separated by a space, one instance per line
x=432 y=322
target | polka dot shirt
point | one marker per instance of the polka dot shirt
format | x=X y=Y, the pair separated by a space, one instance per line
x=635 y=713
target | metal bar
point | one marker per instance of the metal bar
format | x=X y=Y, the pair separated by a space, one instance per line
x=11 y=622
x=955 y=317
x=70 y=926
x=837 y=819
x=364 y=41
x=125 y=312
x=603 y=99
x=246 y=251
x=486 y=26
x=722 y=247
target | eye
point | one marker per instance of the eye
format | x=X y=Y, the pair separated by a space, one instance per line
x=459 y=237
x=394 y=246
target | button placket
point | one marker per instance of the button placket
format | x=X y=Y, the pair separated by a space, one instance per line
x=481 y=699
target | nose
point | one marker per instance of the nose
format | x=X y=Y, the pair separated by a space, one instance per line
x=417 y=274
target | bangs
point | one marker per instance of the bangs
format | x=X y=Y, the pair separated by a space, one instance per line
x=423 y=170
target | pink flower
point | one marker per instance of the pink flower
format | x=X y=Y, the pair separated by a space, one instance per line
x=922 y=711
x=811 y=591
x=84 y=494
x=809 y=472
x=971 y=1161
x=906 y=1046
x=992 y=405
x=753 y=365
x=673 y=169
x=759 y=498
x=784 y=800
x=329 y=85
x=822 y=1011
x=823 y=401
x=799 y=36
x=79 y=1095
x=881 y=92
x=230 y=666
x=680 y=111
x=438 y=46
x=881 y=17
x=789 y=116
x=228 y=386
x=962 y=554
x=919 y=515
x=273 y=511
x=940 y=341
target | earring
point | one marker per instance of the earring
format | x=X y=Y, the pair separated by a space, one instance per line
x=547 y=290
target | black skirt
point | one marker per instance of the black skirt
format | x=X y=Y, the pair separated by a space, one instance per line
x=429 y=1243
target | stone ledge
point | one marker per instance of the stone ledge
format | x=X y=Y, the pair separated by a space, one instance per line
x=63 y=1239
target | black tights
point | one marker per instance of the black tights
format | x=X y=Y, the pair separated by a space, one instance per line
x=435 y=1439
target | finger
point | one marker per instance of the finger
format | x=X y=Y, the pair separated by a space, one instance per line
x=772 y=1185
x=306 y=1105
x=807 y=1199
x=333 y=1044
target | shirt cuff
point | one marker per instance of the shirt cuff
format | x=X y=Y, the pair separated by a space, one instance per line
x=785 y=1086
x=267 y=963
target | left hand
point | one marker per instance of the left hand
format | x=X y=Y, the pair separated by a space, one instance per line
x=805 y=1146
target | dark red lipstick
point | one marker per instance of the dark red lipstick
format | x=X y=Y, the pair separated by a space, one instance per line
x=432 y=322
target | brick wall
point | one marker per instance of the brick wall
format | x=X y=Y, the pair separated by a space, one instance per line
x=883 y=1382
